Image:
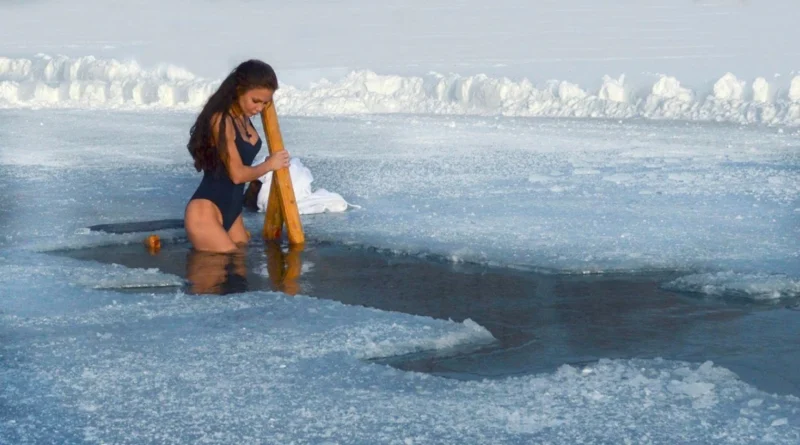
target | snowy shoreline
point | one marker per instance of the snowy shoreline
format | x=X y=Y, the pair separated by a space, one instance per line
x=87 y=82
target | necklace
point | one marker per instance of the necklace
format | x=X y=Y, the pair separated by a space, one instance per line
x=245 y=127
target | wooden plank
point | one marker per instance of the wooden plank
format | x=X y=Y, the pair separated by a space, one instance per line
x=291 y=215
x=273 y=219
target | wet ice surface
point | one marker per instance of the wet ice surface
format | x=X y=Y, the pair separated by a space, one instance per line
x=94 y=366
x=568 y=195
x=82 y=362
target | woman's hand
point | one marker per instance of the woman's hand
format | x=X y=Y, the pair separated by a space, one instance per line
x=278 y=160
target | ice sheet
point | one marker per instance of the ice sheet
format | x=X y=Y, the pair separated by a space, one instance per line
x=567 y=195
x=268 y=368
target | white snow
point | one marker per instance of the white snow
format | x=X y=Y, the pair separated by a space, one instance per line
x=794 y=90
x=762 y=91
x=670 y=88
x=88 y=82
x=729 y=88
x=613 y=90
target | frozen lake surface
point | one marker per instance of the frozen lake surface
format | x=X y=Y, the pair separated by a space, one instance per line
x=682 y=329
x=576 y=222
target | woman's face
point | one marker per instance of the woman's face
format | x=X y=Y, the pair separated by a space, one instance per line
x=253 y=101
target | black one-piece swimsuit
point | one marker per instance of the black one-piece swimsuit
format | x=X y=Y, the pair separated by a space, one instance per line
x=219 y=188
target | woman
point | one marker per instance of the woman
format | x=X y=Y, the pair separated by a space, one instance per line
x=223 y=144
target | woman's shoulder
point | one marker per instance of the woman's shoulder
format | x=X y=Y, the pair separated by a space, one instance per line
x=215 y=118
x=215 y=121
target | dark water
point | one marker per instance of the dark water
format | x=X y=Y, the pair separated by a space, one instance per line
x=541 y=321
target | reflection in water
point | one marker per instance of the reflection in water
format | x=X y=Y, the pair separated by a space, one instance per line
x=216 y=273
x=284 y=268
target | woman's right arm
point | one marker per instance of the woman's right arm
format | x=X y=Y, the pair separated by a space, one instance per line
x=237 y=171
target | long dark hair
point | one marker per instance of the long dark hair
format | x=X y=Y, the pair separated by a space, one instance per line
x=211 y=157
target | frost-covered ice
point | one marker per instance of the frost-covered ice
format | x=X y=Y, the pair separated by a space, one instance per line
x=756 y=286
x=566 y=195
x=268 y=368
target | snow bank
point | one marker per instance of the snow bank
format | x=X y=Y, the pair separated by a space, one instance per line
x=45 y=81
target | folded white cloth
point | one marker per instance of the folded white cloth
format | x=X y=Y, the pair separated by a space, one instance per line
x=308 y=202
x=321 y=201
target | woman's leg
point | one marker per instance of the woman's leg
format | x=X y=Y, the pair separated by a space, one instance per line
x=237 y=232
x=203 y=222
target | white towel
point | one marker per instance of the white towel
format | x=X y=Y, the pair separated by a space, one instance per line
x=308 y=202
